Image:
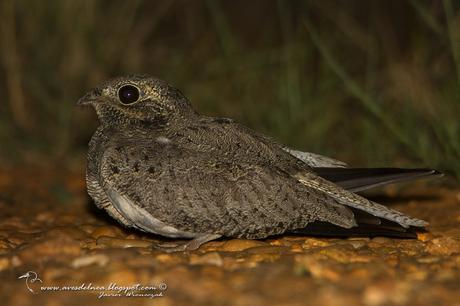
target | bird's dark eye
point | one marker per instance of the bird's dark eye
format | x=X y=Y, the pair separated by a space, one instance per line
x=128 y=94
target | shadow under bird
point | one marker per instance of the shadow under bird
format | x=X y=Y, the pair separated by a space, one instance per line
x=156 y=165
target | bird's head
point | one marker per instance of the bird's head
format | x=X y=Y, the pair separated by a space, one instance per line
x=137 y=100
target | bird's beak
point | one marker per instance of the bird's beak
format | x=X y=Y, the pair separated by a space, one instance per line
x=88 y=98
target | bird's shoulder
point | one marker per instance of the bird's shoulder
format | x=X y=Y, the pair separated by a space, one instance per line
x=228 y=138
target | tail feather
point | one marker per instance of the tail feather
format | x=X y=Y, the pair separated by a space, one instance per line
x=367 y=226
x=324 y=229
x=359 y=179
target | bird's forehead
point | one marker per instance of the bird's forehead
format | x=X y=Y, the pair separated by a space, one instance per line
x=140 y=81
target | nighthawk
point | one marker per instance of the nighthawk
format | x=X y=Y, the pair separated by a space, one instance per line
x=156 y=165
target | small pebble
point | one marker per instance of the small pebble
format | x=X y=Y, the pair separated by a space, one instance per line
x=212 y=258
x=357 y=243
x=424 y=236
x=295 y=248
x=314 y=243
x=375 y=296
x=167 y=258
x=266 y=257
x=108 y=231
x=66 y=232
x=428 y=259
x=344 y=255
x=4 y=263
x=267 y=250
x=382 y=240
x=317 y=268
x=278 y=242
x=45 y=217
x=15 y=261
x=236 y=245
x=87 y=228
x=123 y=243
x=98 y=259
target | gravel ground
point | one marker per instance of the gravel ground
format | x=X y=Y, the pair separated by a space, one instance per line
x=49 y=226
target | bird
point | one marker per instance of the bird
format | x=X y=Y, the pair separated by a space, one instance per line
x=157 y=165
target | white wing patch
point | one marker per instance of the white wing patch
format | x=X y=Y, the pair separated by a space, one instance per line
x=142 y=219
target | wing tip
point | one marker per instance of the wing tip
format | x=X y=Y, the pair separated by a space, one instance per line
x=428 y=171
x=437 y=173
x=419 y=223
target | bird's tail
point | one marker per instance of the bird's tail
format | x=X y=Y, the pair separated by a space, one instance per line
x=367 y=226
x=358 y=179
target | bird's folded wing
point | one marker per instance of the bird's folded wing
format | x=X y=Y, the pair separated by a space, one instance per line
x=204 y=193
x=313 y=181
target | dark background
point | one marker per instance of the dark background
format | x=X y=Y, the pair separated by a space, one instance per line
x=370 y=82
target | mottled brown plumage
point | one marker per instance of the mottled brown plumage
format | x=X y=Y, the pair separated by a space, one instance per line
x=157 y=165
